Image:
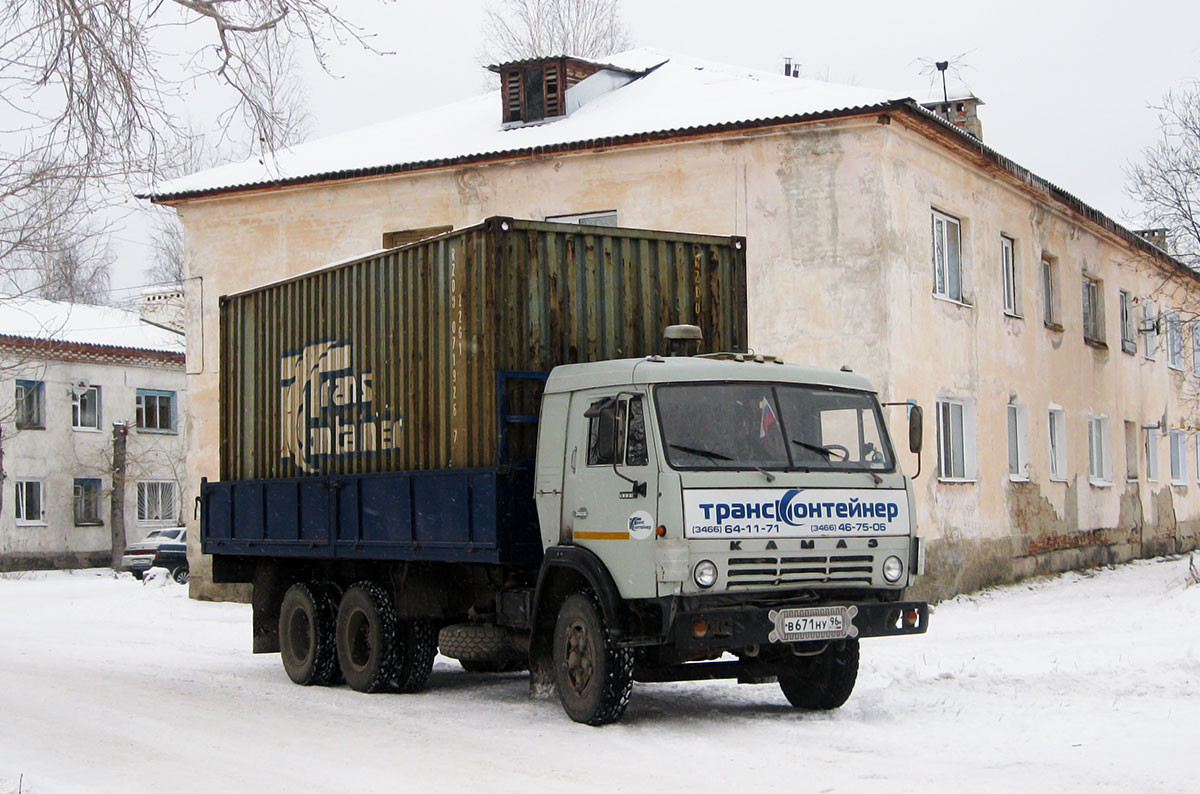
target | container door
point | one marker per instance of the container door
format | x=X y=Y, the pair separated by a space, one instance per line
x=610 y=487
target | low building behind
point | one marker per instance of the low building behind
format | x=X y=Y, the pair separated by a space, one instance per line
x=74 y=379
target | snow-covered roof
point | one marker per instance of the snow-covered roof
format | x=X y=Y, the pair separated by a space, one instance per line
x=676 y=93
x=78 y=323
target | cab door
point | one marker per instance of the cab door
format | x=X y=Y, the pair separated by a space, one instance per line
x=610 y=486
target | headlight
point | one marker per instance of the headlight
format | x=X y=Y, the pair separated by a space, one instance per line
x=892 y=569
x=705 y=573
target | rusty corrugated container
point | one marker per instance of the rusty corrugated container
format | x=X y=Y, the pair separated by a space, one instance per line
x=427 y=355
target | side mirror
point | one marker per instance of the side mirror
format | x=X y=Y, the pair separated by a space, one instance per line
x=916 y=428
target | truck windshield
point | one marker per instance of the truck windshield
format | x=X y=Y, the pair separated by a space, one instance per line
x=772 y=426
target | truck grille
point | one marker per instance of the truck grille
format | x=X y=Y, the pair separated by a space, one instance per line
x=783 y=571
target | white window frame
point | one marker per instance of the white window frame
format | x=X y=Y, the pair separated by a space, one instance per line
x=1149 y=329
x=154 y=396
x=1057 y=434
x=1151 y=454
x=1018 y=443
x=943 y=269
x=20 y=501
x=1051 y=310
x=1174 y=339
x=149 y=494
x=956 y=436
x=1093 y=310
x=1131 y=451
x=1128 y=323
x=1099 y=451
x=77 y=408
x=1178 y=440
x=1008 y=276
x=31 y=393
x=1195 y=348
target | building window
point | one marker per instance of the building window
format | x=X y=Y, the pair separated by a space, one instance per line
x=1128 y=324
x=85 y=408
x=156 y=410
x=1178 y=457
x=30 y=405
x=956 y=440
x=1050 y=313
x=1149 y=328
x=1195 y=348
x=87 y=502
x=1093 y=311
x=1174 y=339
x=30 y=502
x=947 y=257
x=1018 y=444
x=156 y=503
x=1151 y=455
x=1058 y=443
x=406 y=236
x=1008 y=275
x=1131 y=451
x=1099 y=457
x=601 y=218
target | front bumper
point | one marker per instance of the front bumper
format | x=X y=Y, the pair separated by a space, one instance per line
x=739 y=627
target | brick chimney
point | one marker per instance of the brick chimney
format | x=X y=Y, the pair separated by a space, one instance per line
x=1156 y=237
x=961 y=111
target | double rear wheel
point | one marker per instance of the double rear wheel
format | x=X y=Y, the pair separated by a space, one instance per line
x=326 y=635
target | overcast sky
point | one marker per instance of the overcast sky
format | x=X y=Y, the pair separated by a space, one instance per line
x=1067 y=85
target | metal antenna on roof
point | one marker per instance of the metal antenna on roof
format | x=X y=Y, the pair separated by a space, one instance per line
x=953 y=65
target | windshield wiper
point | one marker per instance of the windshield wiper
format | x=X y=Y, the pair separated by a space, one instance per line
x=704 y=453
x=708 y=453
x=815 y=448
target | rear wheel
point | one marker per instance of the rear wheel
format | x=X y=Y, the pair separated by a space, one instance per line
x=181 y=574
x=416 y=648
x=366 y=637
x=594 y=677
x=306 y=635
x=822 y=682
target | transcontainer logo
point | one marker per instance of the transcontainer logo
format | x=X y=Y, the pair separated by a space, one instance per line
x=326 y=408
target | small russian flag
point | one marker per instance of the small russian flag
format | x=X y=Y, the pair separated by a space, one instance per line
x=768 y=418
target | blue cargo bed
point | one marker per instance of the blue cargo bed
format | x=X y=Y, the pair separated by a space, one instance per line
x=484 y=515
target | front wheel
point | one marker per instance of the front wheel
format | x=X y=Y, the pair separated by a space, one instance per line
x=593 y=676
x=822 y=682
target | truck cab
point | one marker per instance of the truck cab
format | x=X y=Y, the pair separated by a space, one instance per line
x=727 y=504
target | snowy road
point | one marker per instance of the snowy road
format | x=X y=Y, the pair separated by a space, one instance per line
x=1084 y=682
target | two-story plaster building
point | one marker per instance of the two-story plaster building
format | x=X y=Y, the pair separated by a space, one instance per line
x=1036 y=332
x=72 y=379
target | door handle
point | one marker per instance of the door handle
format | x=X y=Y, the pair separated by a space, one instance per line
x=580 y=512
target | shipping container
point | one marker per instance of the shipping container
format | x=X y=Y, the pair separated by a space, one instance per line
x=432 y=355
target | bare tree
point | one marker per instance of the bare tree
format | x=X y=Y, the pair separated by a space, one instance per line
x=79 y=273
x=1166 y=182
x=518 y=29
x=89 y=88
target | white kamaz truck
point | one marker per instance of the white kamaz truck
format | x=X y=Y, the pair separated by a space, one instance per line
x=683 y=517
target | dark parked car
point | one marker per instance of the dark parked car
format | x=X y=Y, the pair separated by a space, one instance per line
x=139 y=556
x=173 y=556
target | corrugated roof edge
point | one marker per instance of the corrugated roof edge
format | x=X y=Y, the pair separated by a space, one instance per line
x=568 y=146
x=88 y=347
x=910 y=105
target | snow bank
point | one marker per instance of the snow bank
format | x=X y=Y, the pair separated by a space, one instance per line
x=1085 y=682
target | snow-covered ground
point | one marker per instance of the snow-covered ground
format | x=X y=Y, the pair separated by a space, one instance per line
x=1084 y=682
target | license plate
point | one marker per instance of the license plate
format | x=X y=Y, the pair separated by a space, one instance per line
x=813 y=623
